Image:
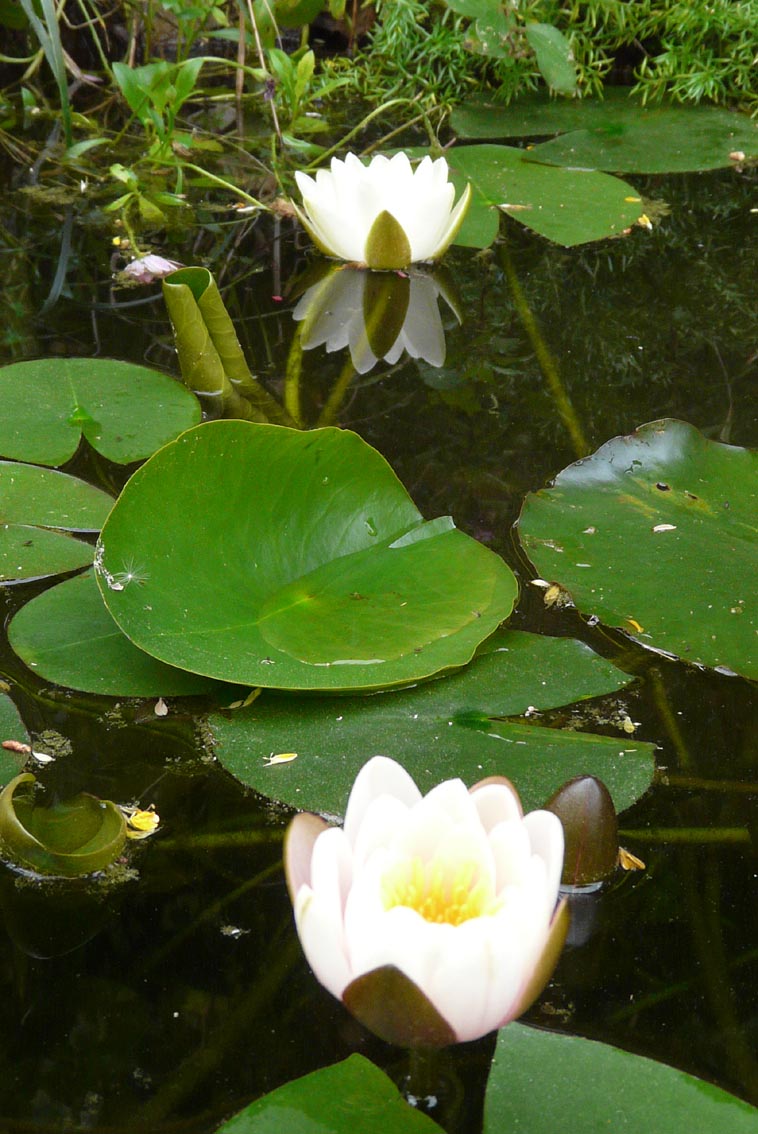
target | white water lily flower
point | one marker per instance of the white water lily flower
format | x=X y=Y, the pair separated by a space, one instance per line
x=384 y=215
x=433 y=918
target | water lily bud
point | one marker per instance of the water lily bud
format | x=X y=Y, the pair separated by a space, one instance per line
x=384 y=215
x=433 y=918
x=585 y=808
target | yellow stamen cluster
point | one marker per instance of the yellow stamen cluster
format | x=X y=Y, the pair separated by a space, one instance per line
x=439 y=891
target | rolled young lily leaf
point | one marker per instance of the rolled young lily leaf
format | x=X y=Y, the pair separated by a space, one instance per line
x=210 y=355
x=70 y=838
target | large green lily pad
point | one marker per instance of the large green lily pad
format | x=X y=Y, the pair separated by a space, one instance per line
x=616 y=133
x=34 y=502
x=593 y=1088
x=568 y=206
x=347 y=1097
x=446 y=728
x=657 y=533
x=125 y=411
x=271 y=557
x=67 y=636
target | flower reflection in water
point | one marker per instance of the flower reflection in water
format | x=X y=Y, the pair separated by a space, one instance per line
x=377 y=316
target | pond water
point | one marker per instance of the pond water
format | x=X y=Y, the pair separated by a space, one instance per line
x=186 y=995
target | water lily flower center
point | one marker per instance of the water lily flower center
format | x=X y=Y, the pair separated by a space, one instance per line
x=439 y=891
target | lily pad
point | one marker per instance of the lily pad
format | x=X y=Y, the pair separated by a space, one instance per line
x=11 y=728
x=446 y=728
x=32 y=502
x=615 y=133
x=656 y=533
x=67 y=636
x=568 y=206
x=593 y=1088
x=124 y=411
x=349 y=1096
x=291 y=560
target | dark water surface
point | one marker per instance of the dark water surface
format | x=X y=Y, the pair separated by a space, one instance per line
x=186 y=995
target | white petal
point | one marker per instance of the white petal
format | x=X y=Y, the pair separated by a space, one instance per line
x=512 y=852
x=462 y=980
x=496 y=803
x=323 y=941
x=381 y=821
x=380 y=776
x=422 y=334
x=546 y=837
x=331 y=870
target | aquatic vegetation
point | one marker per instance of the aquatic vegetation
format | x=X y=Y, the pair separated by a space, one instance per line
x=432 y=918
x=386 y=215
x=69 y=838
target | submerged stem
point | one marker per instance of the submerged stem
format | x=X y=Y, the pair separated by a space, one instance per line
x=545 y=358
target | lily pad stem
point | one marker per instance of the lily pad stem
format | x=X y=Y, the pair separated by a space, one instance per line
x=545 y=358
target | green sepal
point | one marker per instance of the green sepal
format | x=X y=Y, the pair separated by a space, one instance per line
x=387 y=247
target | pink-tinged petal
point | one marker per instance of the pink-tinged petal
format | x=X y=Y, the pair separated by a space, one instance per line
x=380 y=776
x=323 y=941
x=298 y=849
x=545 y=966
x=332 y=870
x=546 y=836
x=496 y=801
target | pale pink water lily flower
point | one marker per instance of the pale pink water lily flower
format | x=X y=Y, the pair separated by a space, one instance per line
x=145 y=269
x=433 y=918
x=384 y=215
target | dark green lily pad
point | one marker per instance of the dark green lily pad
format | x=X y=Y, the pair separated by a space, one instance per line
x=35 y=500
x=347 y=1097
x=126 y=412
x=446 y=728
x=617 y=133
x=67 y=636
x=291 y=560
x=656 y=533
x=568 y=206
x=594 y=1088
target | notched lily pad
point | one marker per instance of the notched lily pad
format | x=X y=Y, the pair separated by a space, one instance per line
x=124 y=411
x=36 y=507
x=568 y=206
x=267 y=556
x=656 y=534
x=451 y=727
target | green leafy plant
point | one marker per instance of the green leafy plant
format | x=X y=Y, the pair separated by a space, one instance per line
x=156 y=93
